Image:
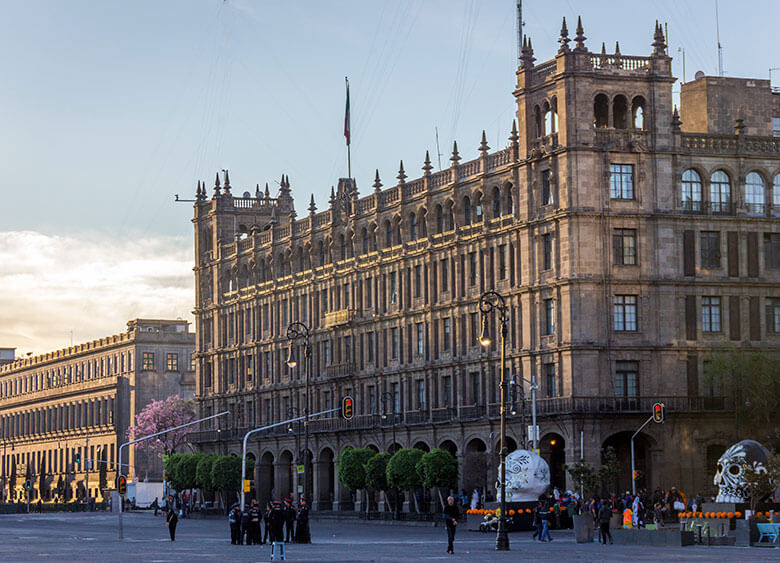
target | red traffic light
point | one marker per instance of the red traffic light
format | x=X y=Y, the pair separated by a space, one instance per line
x=347 y=407
x=658 y=412
x=121 y=485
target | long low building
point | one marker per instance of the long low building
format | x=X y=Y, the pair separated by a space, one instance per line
x=63 y=414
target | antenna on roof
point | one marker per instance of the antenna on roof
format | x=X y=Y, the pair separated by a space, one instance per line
x=717 y=33
x=519 y=31
x=438 y=151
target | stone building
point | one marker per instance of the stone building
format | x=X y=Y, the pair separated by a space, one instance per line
x=627 y=244
x=62 y=409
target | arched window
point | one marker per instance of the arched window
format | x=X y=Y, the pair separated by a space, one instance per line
x=496 y=203
x=365 y=241
x=638 y=113
x=691 y=190
x=439 y=220
x=548 y=118
x=720 y=192
x=601 y=111
x=538 y=115
x=478 y=209
x=450 y=219
x=466 y=211
x=373 y=238
x=388 y=234
x=413 y=226
x=620 y=112
x=554 y=108
x=509 y=208
x=342 y=247
x=755 y=194
x=776 y=195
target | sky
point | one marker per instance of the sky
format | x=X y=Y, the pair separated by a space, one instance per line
x=108 y=109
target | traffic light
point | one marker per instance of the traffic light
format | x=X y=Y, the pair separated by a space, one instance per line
x=121 y=485
x=27 y=485
x=636 y=475
x=76 y=455
x=658 y=412
x=347 y=407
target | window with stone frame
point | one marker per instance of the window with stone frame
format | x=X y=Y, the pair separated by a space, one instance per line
x=691 y=191
x=550 y=381
x=446 y=394
x=472 y=268
x=773 y=315
x=420 y=330
x=148 y=361
x=624 y=247
x=474 y=326
x=621 y=181
x=172 y=361
x=549 y=317
x=421 y=394
x=502 y=261
x=394 y=343
x=710 y=314
x=547 y=191
x=720 y=192
x=446 y=334
x=627 y=380
x=547 y=251
x=625 y=313
x=755 y=194
x=772 y=251
x=709 y=242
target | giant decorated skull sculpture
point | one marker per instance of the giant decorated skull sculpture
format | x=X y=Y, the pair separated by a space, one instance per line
x=729 y=477
x=527 y=476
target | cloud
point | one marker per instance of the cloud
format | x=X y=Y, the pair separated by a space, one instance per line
x=87 y=284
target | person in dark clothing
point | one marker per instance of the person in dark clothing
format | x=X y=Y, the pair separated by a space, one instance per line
x=246 y=536
x=451 y=517
x=289 y=520
x=605 y=515
x=546 y=515
x=537 y=522
x=156 y=505
x=302 y=534
x=172 y=518
x=267 y=537
x=277 y=522
x=254 y=523
x=234 y=519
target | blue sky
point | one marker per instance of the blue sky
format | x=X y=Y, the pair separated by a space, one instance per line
x=110 y=108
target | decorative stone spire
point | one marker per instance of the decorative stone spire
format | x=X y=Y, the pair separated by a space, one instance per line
x=377 y=182
x=455 y=158
x=527 y=54
x=739 y=123
x=401 y=174
x=312 y=206
x=513 y=138
x=332 y=196
x=274 y=218
x=284 y=187
x=258 y=195
x=216 y=186
x=483 y=146
x=659 y=42
x=227 y=182
x=427 y=164
x=564 y=39
x=579 y=38
x=617 y=48
x=267 y=191
x=197 y=192
x=676 y=122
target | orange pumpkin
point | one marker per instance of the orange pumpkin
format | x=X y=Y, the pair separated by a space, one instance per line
x=738 y=514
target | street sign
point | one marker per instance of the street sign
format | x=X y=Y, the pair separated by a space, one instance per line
x=247 y=485
x=531 y=433
x=300 y=489
x=300 y=468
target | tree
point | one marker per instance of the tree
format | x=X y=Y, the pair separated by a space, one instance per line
x=12 y=479
x=103 y=472
x=402 y=469
x=226 y=476
x=752 y=377
x=172 y=471
x=188 y=470
x=160 y=415
x=203 y=476
x=376 y=472
x=352 y=467
x=42 y=490
x=760 y=481
x=584 y=475
x=438 y=468
x=60 y=488
x=609 y=470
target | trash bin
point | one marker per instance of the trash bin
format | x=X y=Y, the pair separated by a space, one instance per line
x=583 y=528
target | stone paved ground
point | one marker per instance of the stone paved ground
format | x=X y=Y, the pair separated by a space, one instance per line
x=93 y=537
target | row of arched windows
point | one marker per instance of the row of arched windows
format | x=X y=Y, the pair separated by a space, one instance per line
x=621 y=116
x=716 y=195
x=547 y=118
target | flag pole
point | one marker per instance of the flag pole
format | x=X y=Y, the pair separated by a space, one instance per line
x=347 y=134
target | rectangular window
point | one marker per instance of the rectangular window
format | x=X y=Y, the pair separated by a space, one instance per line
x=445 y=329
x=396 y=391
x=624 y=247
x=326 y=345
x=420 y=328
x=327 y=399
x=502 y=262
x=621 y=181
x=371 y=399
x=394 y=343
x=417 y=281
x=626 y=379
x=551 y=380
x=710 y=314
x=148 y=361
x=446 y=390
x=371 y=343
x=624 y=308
x=474 y=325
x=475 y=396
x=393 y=289
x=547 y=194
x=346 y=296
x=772 y=251
x=171 y=361
x=420 y=394
x=549 y=316
x=445 y=275
x=776 y=126
x=710 y=249
x=367 y=285
x=472 y=268
x=773 y=315
x=546 y=251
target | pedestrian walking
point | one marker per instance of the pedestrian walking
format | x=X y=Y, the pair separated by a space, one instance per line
x=302 y=534
x=451 y=516
x=289 y=520
x=605 y=515
x=234 y=519
x=545 y=515
x=156 y=505
x=172 y=519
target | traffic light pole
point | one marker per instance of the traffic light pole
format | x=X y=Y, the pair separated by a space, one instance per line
x=633 y=469
x=119 y=457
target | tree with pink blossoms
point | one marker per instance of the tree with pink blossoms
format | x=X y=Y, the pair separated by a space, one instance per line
x=159 y=415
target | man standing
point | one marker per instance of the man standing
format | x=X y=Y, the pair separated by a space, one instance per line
x=234 y=519
x=289 y=520
x=302 y=534
x=172 y=518
x=451 y=515
x=605 y=515
x=254 y=523
x=277 y=522
x=267 y=534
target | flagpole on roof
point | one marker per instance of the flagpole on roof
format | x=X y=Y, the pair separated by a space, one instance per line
x=347 y=132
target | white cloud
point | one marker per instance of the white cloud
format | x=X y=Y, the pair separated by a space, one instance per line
x=52 y=285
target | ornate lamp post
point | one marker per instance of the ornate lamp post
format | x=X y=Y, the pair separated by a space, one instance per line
x=298 y=332
x=488 y=302
x=386 y=395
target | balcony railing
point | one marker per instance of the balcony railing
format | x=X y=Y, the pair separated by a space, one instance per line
x=708 y=207
x=336 y=318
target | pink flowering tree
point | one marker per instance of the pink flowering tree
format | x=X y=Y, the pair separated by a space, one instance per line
x=159 y=415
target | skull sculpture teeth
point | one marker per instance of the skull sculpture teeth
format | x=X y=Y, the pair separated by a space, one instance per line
x=730 y=477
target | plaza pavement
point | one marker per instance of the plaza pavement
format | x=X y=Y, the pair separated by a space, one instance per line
x=93 y=537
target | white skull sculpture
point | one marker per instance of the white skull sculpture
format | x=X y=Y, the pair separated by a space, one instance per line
x=527 y=476
x=729 y=478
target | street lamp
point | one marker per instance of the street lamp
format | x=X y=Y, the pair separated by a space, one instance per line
x=299 y=332
x=386 y=395
x=488 y=302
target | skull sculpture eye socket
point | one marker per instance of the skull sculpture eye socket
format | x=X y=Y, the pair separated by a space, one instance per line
x=735 y=469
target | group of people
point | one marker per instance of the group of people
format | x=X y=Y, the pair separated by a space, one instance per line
x=281 y=523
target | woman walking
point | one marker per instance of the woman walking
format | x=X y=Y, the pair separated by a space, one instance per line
x=172 y=518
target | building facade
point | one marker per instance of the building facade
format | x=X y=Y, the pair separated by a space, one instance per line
x=627 y=243
x=63 y=414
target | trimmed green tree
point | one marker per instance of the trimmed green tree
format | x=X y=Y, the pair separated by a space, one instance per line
x=203 y=477
x=438 y=469
x=376 y=472
x=188 y=470
x=402 y=470
x=226 y=476
x=352 y=467
x=172 y=471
